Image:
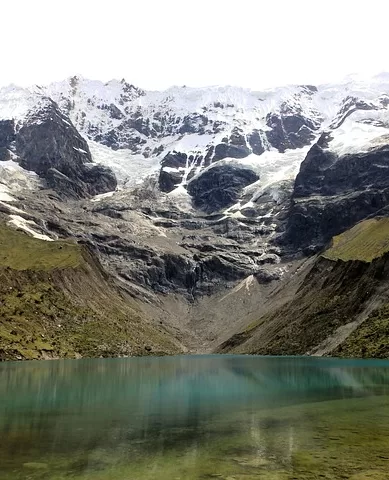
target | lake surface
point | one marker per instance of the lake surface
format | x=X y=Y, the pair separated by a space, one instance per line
x=184 y=418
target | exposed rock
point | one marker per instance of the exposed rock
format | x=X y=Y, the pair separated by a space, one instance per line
x=237 y=138
x=7 y=133
x=224 y=150
x=7 y=136
x=220 y=186
x=50 y=145
x=169 y=179
x=170 y=175
x=255 y=142
x=174 y=160
x=98 y=179
x=48 y=140
x=289 y=131
x=333 y=193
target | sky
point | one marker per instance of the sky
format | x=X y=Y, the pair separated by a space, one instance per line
x=155 y=44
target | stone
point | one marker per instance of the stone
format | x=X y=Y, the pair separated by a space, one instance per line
x=219 y=186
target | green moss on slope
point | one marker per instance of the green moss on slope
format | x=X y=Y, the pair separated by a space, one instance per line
x=336 y=290
x=21 y=252
x=55 y=302
x=370 y=339
x=366 y=241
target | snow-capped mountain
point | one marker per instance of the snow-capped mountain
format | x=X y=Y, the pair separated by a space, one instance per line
x=188 y=129
x=201 y=192
x=219 y=149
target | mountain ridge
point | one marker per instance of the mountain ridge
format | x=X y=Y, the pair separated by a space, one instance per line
x=196 y=201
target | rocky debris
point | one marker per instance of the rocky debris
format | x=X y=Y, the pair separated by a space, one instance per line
x=220 y=186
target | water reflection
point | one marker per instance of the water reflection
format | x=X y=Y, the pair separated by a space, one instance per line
x=145 y=415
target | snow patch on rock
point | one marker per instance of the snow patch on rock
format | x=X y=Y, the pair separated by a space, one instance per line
x=26 y=225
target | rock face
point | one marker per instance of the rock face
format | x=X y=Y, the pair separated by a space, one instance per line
x=48 y=144
x=220 y=186
x=332 y=193
x=290 y=131
x=48 y=140
x=173 y=168
x=7 y=136
x=7 y=132
x=333 y=299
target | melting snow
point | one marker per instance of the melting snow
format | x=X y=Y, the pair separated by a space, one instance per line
x=353 y=136
x=130 y=169
x=79 y=149
x=181 y=198
x=4 y=195
x=25 y=225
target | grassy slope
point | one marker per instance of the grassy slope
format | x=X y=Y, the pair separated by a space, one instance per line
x=370 y=339
x=21 y=252
x=366 y=241
x=335 y=291
x=56 y=302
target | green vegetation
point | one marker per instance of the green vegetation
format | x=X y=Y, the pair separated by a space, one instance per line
x=335 y=291
x=21 y=252
x=370 y=339
x=55 y=303
x=366 y=241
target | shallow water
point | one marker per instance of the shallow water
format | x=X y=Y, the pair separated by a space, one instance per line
x=209 y=417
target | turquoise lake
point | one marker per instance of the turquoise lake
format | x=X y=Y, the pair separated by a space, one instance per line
x=195 y=417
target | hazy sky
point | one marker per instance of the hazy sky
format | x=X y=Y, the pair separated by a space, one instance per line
x=158 y=43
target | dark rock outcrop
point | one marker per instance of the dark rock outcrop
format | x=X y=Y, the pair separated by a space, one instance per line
x=168 y=178
x=7 y=133
x=289 y=131
x=332 y=193
x=98 y=179
x=51 y=146
x=255 y=142
x=48 y=139
x=7 y=136
x=219 y=186
x=324 y=173
x=225 y=150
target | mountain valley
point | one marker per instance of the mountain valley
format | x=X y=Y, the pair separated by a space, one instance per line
x=199 y=220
